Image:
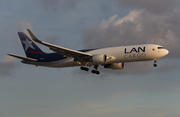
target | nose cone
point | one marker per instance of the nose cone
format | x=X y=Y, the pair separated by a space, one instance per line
x=166 y=52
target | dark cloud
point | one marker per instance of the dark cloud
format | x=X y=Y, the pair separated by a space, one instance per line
x=60 y=5
x=154 y=6
x=7 y=66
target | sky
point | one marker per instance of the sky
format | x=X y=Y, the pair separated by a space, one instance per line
x=139 y=90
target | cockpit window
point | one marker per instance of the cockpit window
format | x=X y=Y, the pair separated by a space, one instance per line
x=160 y=47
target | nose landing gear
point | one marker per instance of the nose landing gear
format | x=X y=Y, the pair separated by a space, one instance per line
x=155 y=61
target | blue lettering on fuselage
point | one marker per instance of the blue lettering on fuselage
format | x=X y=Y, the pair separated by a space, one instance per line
x=135 y=53
x=134 y=50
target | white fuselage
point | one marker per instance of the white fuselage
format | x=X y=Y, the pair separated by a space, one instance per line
x=120 y=54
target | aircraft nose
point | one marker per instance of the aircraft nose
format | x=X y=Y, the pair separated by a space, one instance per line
x=166 y=52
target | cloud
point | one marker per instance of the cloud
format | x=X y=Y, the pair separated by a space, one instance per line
x=153 y=6
x=60 y=5
x=7 y=66
x=23 y=26
x=53 y=39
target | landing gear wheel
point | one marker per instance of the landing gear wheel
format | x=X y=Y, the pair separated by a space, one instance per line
x=84 y=68
x=155 y=65
x=95 y=72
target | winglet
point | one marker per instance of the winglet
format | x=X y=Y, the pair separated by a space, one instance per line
x=33 y=36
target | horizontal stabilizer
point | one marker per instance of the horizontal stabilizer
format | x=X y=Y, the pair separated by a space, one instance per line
x=23 y=58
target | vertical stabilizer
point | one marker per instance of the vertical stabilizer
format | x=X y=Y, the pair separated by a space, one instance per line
x=30 y=48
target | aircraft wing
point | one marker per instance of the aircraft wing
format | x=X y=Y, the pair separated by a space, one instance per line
x=23 y=58
x=61 y=50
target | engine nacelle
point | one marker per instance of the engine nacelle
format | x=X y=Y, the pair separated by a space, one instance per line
x=99 y=59
x=115 y=66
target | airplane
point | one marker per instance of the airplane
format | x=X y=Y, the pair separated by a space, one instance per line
x=112 y=57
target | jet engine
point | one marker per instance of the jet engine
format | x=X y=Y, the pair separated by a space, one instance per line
x=99 y=59
x=115 y=66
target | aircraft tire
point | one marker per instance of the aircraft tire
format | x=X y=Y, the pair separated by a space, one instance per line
x=155 y=65
x=95 y=72
x=84 y=68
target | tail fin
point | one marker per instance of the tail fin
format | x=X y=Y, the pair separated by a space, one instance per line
x=30 y=48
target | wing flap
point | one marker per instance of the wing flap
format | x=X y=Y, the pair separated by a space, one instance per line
x=23 y=58
x=61 y=50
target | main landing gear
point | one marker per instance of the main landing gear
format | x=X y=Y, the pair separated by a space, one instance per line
x=84 y=68
x=93 y=71
x=155 y=61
